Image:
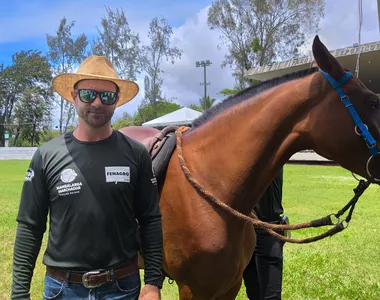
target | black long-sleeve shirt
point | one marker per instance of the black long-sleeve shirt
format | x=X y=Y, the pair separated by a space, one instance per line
x=94 y=193
x=270 y=207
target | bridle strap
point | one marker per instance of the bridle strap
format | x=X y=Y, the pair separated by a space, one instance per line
x=363 y=129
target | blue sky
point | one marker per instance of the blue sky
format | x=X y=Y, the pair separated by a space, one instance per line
x=24 y=25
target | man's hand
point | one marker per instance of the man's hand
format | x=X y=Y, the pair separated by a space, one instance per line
x=150 y=292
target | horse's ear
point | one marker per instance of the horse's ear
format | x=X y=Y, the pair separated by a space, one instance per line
x=325 y=60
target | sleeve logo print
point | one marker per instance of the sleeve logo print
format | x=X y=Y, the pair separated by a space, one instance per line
x=29 y=174
x=153 y=179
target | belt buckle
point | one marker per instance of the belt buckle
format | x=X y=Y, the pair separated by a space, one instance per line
x=85 y=279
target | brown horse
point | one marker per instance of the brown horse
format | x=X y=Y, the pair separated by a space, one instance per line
x=234 y=151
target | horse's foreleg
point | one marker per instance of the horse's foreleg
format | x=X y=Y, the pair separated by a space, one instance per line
x=184 y=292
x=232 y=293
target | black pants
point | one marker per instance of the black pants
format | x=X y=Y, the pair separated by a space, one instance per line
x=263 y=275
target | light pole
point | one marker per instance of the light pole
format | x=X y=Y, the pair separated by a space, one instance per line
x=204 y=64
x=378 y=12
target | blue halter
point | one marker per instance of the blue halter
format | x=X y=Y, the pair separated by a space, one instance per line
x=363 y=129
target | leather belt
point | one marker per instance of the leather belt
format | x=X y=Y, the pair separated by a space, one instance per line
x=94 y=278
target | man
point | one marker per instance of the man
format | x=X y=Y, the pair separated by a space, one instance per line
x=95 y=182
x=263 y=275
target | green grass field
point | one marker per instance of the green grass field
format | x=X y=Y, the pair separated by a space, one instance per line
x=345 y=266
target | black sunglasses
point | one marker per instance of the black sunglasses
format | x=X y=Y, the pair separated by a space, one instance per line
x=89 y=96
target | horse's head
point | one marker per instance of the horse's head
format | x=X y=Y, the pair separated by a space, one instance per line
x=338 y=124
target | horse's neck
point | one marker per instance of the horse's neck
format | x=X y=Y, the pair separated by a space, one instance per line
x=237 y=154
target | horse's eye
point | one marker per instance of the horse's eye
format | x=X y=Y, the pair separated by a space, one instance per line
x=373 y=102
x=376 y=104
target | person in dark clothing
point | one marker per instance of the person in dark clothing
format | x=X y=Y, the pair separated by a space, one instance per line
x=99 y=188
x=263 y=275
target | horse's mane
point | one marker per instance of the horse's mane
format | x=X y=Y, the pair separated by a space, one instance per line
x=248 y=93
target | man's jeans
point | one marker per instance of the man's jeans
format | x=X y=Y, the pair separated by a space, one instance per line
x=127 y=288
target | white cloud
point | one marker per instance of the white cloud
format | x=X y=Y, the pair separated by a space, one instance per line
x=339 y=28
x=198 y=43
x=35 y=19
x=182 y=79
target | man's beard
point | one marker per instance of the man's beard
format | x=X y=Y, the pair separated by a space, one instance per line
x=95 y=116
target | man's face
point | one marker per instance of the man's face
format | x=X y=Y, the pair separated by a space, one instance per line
x=95 y=114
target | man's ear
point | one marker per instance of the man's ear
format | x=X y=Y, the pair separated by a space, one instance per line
x=117 y=98
x=73 y=94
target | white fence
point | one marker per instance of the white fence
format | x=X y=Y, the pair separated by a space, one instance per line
x=17 y=153
x=26 y=153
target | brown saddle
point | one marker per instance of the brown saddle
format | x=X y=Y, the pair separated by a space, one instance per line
x=152 y=138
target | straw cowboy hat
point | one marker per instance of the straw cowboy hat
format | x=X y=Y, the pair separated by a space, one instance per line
x=95 y=67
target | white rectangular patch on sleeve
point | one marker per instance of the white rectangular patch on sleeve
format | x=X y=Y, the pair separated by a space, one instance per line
x=118 y=174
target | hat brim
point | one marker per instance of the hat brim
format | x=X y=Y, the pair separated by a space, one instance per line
x=63 y=84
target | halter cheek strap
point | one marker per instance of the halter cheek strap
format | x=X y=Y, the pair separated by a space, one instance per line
x=360 y=128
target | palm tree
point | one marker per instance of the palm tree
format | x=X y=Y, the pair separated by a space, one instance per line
x=206 y=103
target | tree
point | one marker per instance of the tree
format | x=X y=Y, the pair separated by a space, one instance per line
x=118 y=43
x=4 y=103
x=29 y=69
x=121 y=123
x=144 y=114
x=145 y=111
x=125 y=121
x=204 y=104
x=152 y=56
x=229 y=92
x=64 y=53
x=257 y=32
x=32 y=115
x=207 y=102
x=236 y=89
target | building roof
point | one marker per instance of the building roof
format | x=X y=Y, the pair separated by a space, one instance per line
x=369 y=65
x=182 y=116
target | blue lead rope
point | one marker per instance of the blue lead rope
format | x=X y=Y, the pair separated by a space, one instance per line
x=365 y=134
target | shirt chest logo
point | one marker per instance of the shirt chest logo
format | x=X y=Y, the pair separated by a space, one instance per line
x=69 y=187
x=68 y=175
x=117 y=174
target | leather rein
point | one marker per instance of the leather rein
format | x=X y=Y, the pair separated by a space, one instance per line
x=360 y=128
